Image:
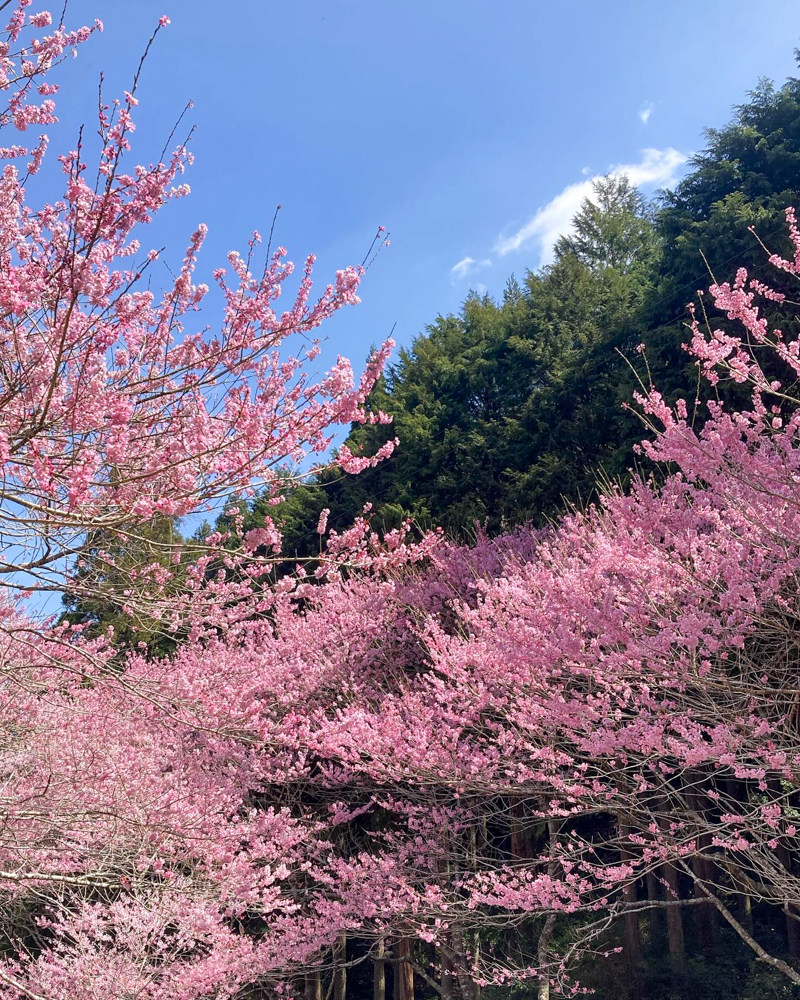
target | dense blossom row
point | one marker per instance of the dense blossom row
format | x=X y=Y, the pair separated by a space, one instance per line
x=432 y=743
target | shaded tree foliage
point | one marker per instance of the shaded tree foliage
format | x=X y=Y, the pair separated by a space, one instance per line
x=108 y=564
x=497 y=408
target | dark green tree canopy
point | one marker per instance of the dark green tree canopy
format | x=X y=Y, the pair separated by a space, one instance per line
x=105 y=567
x=508 y=409
x=748 y=173
x=497 y=407
x=613 y=229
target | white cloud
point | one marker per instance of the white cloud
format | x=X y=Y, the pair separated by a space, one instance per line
x=646 y=111
x=460 y=269
x=657 y=168
x=469 y=265
x=586 y=171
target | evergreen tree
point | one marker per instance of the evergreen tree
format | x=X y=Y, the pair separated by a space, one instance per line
x=613 y=229
x=492 y=405
x=509 y=409
x=106 y=566
x=718 y=216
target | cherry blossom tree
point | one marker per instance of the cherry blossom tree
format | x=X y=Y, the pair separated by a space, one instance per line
x=116 y=404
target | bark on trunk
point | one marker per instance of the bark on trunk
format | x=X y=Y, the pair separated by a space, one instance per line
x=542 y=948
x=379 y=971
x=543 y=944
x=405 y=970
x=744 y=911
x=705 y=923
x=446 y=980
x=669 y=873
x=652 y=896
x=736 y=790
x=519 y=837
x=340 y=968
x=677 y=951
x=633 y=937
x=706 y=918
x=313 y=986
x=466 y=985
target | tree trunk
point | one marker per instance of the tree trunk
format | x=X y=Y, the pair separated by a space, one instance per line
x=652 y=896
x=706 y=918
x=633 y=936
x=476 y=948
x=543 y=944
x=379 y=971
x=446 y=981
x=704 y=913
x=519 y=838
x=736 y=791
x=677 y=951
x=313 y=986
x=792 y=923
x=744 y=911
x=404 y=976
x=542 y=947
x=467 y=986
x=340 y=968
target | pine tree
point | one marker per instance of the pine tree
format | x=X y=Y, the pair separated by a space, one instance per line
x=106 y=566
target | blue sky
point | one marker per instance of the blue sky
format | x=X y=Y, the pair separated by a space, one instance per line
x=469 y=128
